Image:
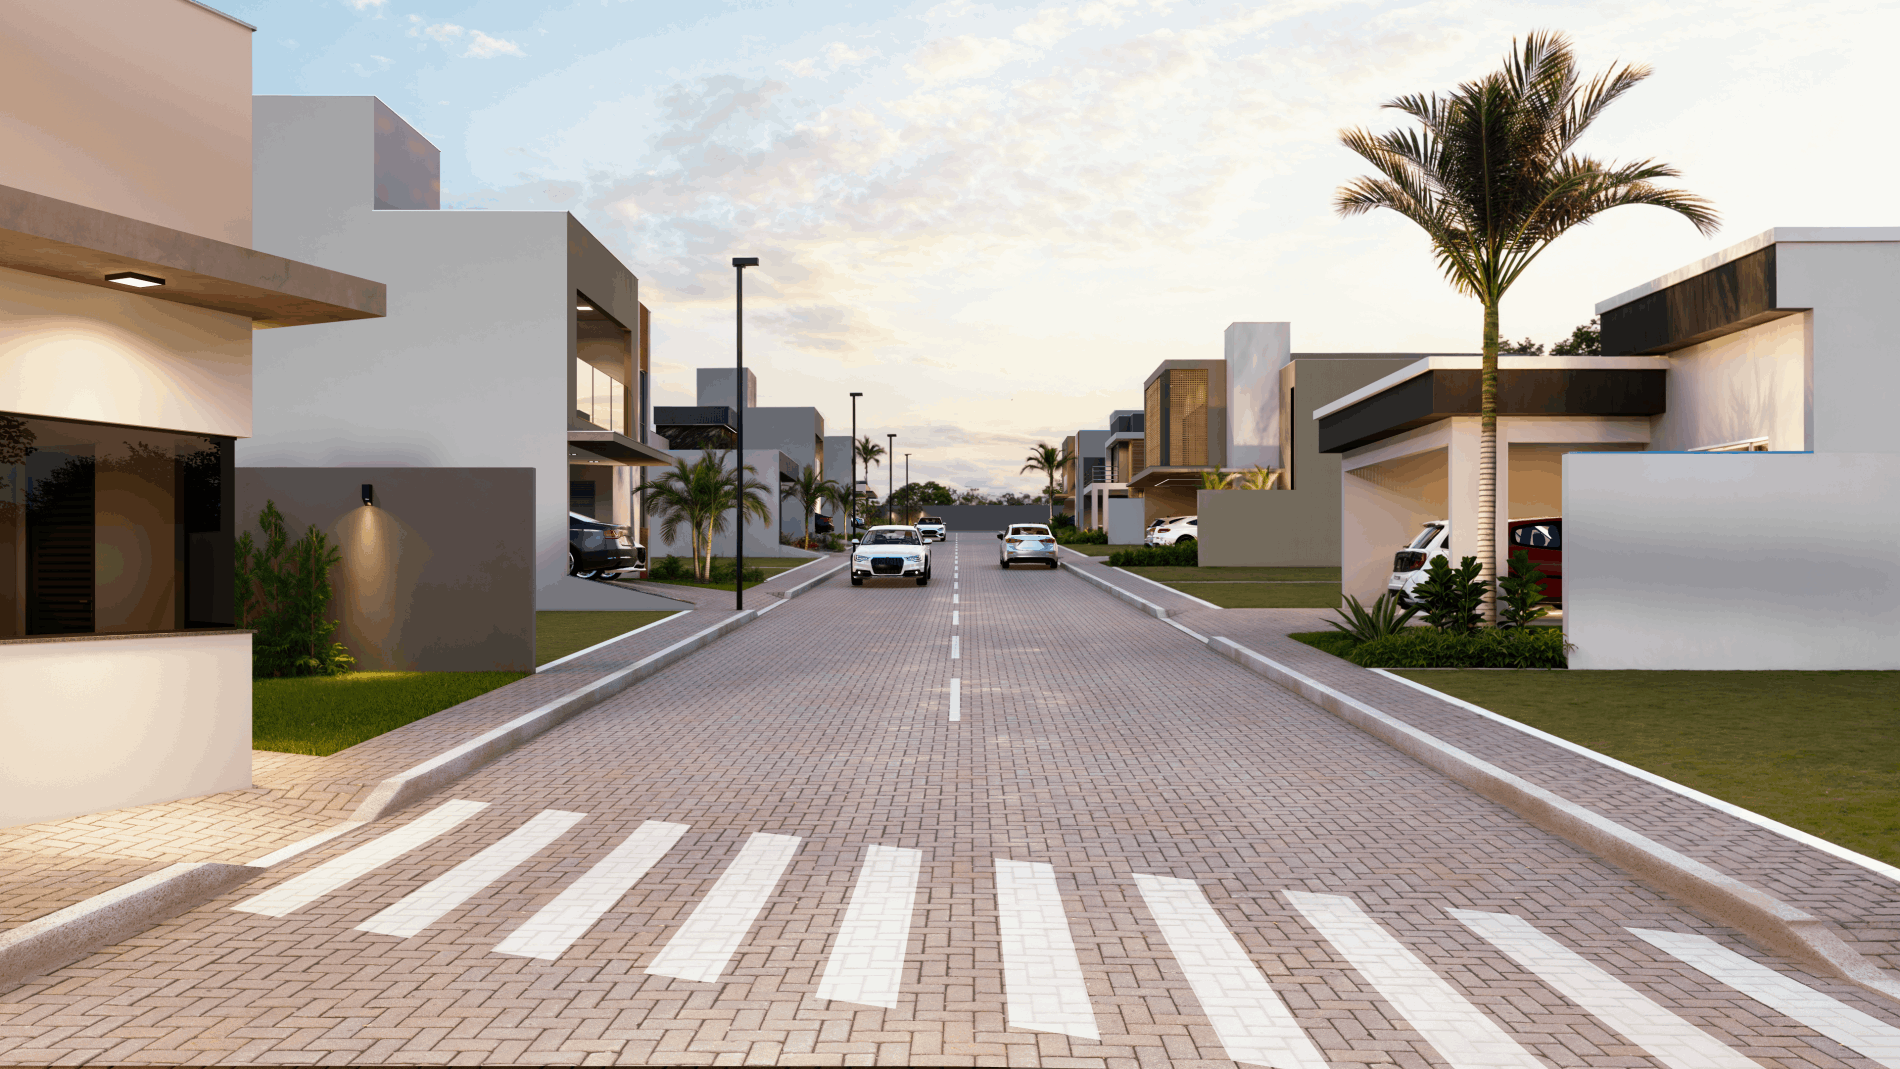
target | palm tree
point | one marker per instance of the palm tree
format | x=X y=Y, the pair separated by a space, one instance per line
x=1049 y=460
x=1255 y=478
x=1492 y=179
x=869 y=453
x=809 y=489
x=699 y=495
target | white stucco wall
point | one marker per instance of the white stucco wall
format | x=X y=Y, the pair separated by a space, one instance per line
x=1850 y=286
x=102 y=724
x=1750 y=384
x=1732 y=560
x=72 y=351
x=1255 y=353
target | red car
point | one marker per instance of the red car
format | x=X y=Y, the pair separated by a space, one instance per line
x=1543 y=541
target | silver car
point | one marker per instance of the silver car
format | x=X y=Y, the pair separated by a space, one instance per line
x=1028 y=543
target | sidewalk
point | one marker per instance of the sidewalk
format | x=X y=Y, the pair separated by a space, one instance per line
x=51 y=865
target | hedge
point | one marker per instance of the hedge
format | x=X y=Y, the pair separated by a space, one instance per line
x=1180 y=555
x=1422 y=647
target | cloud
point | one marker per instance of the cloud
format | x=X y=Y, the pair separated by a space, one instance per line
x=480 y=45
x=367 y=5
x=837 y=56
x=377 y=66
x=950 y=59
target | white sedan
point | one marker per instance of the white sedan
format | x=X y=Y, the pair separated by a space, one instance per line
x=890 y=552
x=1026 y=543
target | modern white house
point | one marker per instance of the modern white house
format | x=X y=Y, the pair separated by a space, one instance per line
x=1727 y=482
x=130 y=298
x=517 y=339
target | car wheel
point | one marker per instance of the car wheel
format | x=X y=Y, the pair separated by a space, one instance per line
x=573 y=563
x=857 y=580
x=1005 y=564
x=595 y=574
x=923 y=580
x=1184 y=538
x=1053 y=564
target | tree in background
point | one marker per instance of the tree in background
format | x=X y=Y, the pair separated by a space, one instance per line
x=1491 y=177
x=1048 y=460
x=699 y=495
x=914 y=497
x=1526 y=347
x=868 y=453
x=1586 y=340
x=809 y=489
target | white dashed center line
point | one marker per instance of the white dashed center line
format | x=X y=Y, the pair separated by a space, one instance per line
x=956 y=699
x=956 y=652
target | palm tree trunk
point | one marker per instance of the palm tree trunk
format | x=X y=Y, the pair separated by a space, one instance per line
x=1488 y=465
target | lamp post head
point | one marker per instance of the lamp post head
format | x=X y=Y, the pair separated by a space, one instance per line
x=745 y=261
x=857 y=393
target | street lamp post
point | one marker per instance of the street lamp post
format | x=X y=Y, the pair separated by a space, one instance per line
x=890 y=482
x=851 y=526
x=739 y=264
x=907 y=501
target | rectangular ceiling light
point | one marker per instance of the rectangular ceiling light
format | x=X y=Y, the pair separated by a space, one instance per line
x=133 y=278
x=583 y=308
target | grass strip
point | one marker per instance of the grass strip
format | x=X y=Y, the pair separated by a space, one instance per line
x=1264 y=595
x=1099 y=550
x=557 y=634
x=1176 y=574
x=319 y=715
x=1816 y=750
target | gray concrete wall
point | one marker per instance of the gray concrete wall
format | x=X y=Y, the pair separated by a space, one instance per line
x=436 y=576
x=983 y=517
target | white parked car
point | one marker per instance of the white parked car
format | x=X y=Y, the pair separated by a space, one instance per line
x=1179 y=529
x=890 y=552
x=1148 y=536
x=1408 y=565
x=932 y=528
x=1027 y=543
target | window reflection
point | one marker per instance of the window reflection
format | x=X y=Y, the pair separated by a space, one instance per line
x=107 y=529
x=599 y=398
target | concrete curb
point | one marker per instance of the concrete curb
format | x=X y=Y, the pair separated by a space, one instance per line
x=1776 y=924
x=64 y=937
x=792 y=592
x=405 y=788
x=1137 y=601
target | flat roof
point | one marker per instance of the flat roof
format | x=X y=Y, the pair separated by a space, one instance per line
x=1790 y=234
x=1475 y=363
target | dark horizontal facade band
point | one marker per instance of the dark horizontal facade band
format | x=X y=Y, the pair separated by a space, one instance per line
x=1439 y=394
x=1723 y=300
x=616 y=448
x=60 y=239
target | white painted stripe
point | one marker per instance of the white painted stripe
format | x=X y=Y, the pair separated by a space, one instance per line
x=867 y=959
x=1166 y=587
x=427 y=904
x=953 y=586
x=611 y=641
x=956 y=699
x=1842 y=852
x=956 y=650
x=1851 y=1028
x=1248 y=1016
x=1464 y=1036
x=704 y=945
x=311 y=842
x=953 y=599
x=954 y=621
x=580 y=906
x=1042 y=977
x=1666 y=1037
x=303 y=889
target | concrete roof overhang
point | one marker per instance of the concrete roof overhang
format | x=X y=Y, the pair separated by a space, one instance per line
x=1439 y=387
x=615 y=448
x=60 y=239
x=1149 y=478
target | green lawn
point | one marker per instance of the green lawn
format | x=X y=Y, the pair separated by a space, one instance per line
x=1816 y=750
x=1265 y=595
x=1099 y=551
x=1238 y=575
x=771 y=566
x=320 y=715
x=557 y=634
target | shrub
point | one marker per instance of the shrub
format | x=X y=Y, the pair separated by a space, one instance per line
x=283 y=593
x=1366 y=625
x=1185 y=555
x=1332 y=642
x=1521 y=594
x=667 y=567
x=722 y=572
x=1070 y=536
x=1419 y=647
x=1453 y=599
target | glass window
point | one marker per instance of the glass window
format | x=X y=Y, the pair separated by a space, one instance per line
x=1538 y=536
x=1425 y=537
x=891 y=538
x=108 y=529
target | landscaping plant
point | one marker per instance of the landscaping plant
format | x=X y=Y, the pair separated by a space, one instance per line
x=1453 y=599
x=1071 y=536
x=1182 y=555
x=700 y=495
x=1492 y=176
x=1419 y=647
x=1366 y=625
x=1521 y=593
x=1050 y=461
x=668 y=567
x=810 y=490
x=284 y=593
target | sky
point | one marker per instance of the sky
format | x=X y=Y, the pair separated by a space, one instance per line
x=996 y=219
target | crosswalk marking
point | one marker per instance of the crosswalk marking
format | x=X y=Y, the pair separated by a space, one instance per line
x=866 y=965
x=1248 y=1016
x=427 y=904
x=1042 y=978
x=582 y=903
x=303 y=889
x=1668 y=1038
x=704 y=945
x=1464 y=1036
x=1857 y=1031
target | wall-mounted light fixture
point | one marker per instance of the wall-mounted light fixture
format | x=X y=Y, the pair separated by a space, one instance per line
x=133 y=278
x=369 y=494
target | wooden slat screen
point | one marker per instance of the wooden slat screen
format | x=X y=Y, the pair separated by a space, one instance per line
x=1154 y=427
x=1187 y=417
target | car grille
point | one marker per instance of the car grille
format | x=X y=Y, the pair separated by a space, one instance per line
x=887 y=565
x=1409 y=560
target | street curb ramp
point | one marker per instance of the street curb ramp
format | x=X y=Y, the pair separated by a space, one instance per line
x=70 y=934
x=1774 y=923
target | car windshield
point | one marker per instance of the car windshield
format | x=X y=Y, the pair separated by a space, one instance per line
x=891 y=538
x=1031 y=532
x=1425 y=537
x=930 y=519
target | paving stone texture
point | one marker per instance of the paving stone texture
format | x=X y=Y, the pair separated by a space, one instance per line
x=1285 y=858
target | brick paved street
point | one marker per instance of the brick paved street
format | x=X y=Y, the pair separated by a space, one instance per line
x=1124 y=851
